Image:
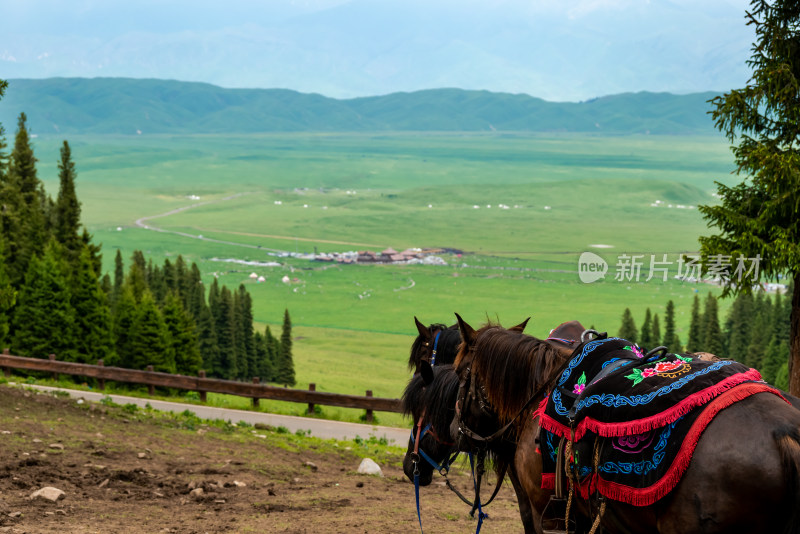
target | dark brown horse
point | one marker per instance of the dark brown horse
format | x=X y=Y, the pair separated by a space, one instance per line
x=430 y=400
x=433 y=403
x=743 y=476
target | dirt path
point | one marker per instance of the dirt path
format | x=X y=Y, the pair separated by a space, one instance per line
x=126 y=470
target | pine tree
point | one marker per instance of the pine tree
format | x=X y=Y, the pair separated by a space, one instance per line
x=671 y=340
x=646 y=334
x=43 y=319
x=711 y=331
x=657 y=339
x=137 y=276
x=285 y=365
x=93 y=327
x=757 y=218
x=182 y=337
x=264 y=355
x=695 y=342
x=66 y=224
x=628 y=328
x=149 y=338
x=775 y=357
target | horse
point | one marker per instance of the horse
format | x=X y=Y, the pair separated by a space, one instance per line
x=727 y=486
x=433 y=400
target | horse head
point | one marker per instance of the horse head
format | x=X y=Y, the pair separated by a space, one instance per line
x=430 y=404
x=435 y=344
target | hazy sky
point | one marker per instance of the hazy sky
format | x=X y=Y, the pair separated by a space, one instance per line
x=554 y=49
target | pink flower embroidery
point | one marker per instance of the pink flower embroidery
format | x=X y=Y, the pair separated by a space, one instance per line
x=648 y=373
x=578 y=388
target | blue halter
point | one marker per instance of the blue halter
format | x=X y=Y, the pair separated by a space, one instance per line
x=435 y=344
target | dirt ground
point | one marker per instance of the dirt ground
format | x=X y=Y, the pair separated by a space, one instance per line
x=123 y=470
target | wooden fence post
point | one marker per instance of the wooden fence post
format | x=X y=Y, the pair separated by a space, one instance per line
x=7 y=370
x=311 y=387
x=202 y=374
x=52 y=358
x=151 y=389
x=256 y=380
x=369 y=418
x=101 y=382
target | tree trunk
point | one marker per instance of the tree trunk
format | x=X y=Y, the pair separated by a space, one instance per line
x=794 y=340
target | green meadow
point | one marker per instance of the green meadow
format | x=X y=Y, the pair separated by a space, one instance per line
x=521 y=208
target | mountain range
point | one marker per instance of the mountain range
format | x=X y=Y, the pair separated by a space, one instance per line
x=129 y=106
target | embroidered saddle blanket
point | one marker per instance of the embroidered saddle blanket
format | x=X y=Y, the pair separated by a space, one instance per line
x=649 y=409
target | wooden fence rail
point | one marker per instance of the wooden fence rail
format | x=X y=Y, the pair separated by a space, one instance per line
x=200 y=384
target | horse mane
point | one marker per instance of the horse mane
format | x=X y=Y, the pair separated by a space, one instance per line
x=438 y=399
x=510 y=366
x=446 y=348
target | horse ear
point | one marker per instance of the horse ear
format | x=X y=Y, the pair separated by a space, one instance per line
x=521 y=326
x=426 y=371
x=422 y=329
x=467 y=332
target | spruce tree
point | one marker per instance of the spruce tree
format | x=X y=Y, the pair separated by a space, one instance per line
x=226 y=365
x=43 y=319
x=757 y=218
x=182 y=337
x=760 y=332
x=66 y=224
x=119 y=279
x=646 y=334
x=124 y=317
x=93 y=326
x=712 y=333
x=628 y=328
x=775 y=356
x=265 y=351
x=695 y=342
x=245 y=342
x=8 y=297
x=671 y=340
x=149 y=338
x=26 y=205
x=657 y=339
x=285 y=365
x=738 y=327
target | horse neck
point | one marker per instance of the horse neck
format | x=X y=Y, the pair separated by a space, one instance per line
x=509 y=379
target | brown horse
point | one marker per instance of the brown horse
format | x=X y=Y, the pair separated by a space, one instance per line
x=432 y=403
x=743 y=477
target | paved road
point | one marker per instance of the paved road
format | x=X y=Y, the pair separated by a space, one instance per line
x=321 y=428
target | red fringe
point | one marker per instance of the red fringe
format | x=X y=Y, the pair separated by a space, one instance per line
x=548 y=481
x=651 y=494
x=659 y=420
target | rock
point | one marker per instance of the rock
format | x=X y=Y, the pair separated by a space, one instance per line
x=311 y=465
x=359 y=484
x=271 y=492
x=239 y=484
x=369 y=467
x=219 y=501
x=56 y=446
x=263 y=426
x=142 y=455
x=104 y=483
x=157 y=494
x=49 y=493
x=197 y=492
x=79 y=401
x=62 y=512
x=192 y=485
x=14 y=515
x=37 y=440
x=6 y=432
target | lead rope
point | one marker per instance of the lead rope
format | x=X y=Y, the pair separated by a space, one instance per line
x=416 y=469
x=567 y=471
x=477 y=482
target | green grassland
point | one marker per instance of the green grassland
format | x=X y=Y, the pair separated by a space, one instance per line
x=339 y=192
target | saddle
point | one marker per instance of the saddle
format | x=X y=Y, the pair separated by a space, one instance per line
x=630 y=421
